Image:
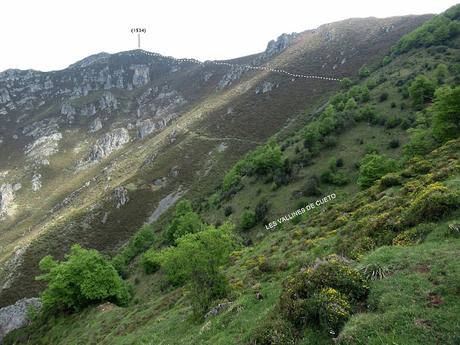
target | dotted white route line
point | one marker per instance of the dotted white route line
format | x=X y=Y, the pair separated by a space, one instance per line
x=249 y=67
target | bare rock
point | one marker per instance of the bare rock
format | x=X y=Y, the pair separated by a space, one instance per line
x=121 y=196
x=16 y=315
x=110 y=142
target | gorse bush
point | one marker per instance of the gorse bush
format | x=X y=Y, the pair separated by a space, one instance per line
x=273 y=331
x=322 y=294
x=432 y=203
x=82 y=279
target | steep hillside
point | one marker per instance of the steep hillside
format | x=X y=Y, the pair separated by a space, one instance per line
x=92 y=152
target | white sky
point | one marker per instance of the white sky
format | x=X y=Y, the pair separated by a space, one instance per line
x=51 y=34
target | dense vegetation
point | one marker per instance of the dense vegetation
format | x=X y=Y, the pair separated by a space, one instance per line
x=373 y=267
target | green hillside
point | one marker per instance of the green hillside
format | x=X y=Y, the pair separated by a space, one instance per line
x=343 y=228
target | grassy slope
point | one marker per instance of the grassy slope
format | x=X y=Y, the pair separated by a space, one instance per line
x=414 y=304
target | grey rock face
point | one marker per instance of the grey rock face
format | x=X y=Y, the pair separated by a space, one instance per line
x=121 y=196
x=266 y=87
x=165 y=204
x=36 y=182
x=110 y=142
x=141 y=75
x=68 y=110
x=145 y=128
x=43 y=147
x=108 y=101
x=95 y=125
x=15 y=316
x=6 y=199
x=4 y=96
x=88 y=110
x=234 y=74
x=281 y=43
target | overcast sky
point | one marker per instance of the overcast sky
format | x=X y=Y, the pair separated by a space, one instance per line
x=51 y=34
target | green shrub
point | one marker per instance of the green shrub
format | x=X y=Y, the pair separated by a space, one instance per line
x=420 y=143
x=336 y=178
x=332 y=308
x=364 y=72
x=261 y=210
x=373 y=167
x=138 y=244
x=196 y=260
x=228 y=210
x=308 y=296
x=150 y=261
x=346 y=83
x=446 y=113
x=248 y=220
x=393 y=144
x=421 y=90
x=311 y=188
x=273 y=331
x=432 y=203
x=414 y=235
x=383 y=96
x=390 y=180
x=185 y=221
x=83 y=278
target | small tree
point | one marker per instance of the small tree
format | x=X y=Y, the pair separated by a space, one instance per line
x=374 y=166
x=82 y=279
x=345 y=83
x=248 y=220
x=421 y=90
x=184 y=222
x=196 y=260
x=446 y=113
x=364 y=72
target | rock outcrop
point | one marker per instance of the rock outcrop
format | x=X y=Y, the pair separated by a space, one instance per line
x=281 y=43
x=110 y=142
x=6 y=199
x=141 y=75
x=121 y=196
x=16 y=315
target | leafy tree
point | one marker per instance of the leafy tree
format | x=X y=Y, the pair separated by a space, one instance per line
x=138 y=244
x=345 y=83
x=373 y=167
x=440 y=73
x=196 y=260
x=248 y=220
x=421 y=91
x=421 y=142
x=351 y=104
x=82 y=279
x=184 y=222
x=364 y=72
x=446 y=113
